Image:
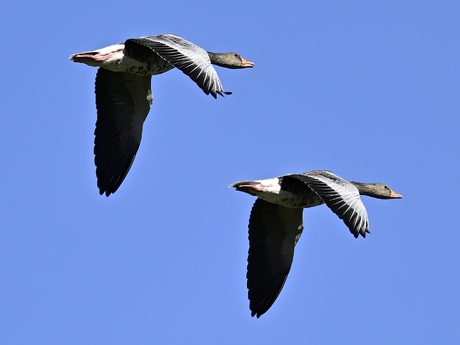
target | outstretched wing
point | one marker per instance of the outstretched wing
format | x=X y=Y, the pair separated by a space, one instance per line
x=123 y=102
x=340 y=196
x=273 y=232
x=188 y=57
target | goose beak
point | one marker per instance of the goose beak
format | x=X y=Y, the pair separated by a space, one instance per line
x=246 y=64
x=394 y=195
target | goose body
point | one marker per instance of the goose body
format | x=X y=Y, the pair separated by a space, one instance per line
x=275 y=223
x=124 y=96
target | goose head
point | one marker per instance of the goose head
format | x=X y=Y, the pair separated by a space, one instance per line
x=230 y=60
x=376 y=190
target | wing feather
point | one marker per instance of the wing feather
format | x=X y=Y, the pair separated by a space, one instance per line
x=340 y=196
x=191 y=59
x=273 y=233
x=123 y=103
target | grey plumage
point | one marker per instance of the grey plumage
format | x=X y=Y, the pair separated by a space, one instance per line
x=275 y=223
x=124 y=96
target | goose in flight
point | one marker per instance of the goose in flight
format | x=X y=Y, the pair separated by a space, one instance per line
x=275 y=223
x=124 y=96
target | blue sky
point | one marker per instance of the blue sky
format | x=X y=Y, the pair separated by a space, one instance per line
x=368 y=90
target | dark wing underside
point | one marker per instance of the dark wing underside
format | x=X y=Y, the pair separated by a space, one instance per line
x=273 y=232
x=123 y=102
x=186 y=56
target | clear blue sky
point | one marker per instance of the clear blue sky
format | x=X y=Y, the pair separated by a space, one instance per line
x=369 y=90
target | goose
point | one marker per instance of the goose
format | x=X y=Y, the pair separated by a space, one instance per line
x=124 y=96
x=275 y=223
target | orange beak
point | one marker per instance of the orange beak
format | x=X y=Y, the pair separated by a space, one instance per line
x=246 y=64
x=395 y=195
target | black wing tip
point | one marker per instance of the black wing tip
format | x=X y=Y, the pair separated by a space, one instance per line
x=259 y=307
x=222 y=93
x=362 y=233
x=257 y=314
x=107 y=192
x=107 y=188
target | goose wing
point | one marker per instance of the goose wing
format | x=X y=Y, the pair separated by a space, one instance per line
x=273 y=232
x=340 y=196
x=123 y=102
x=191 y=59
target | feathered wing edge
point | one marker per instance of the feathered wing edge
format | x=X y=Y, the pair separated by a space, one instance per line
x=340 y=196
